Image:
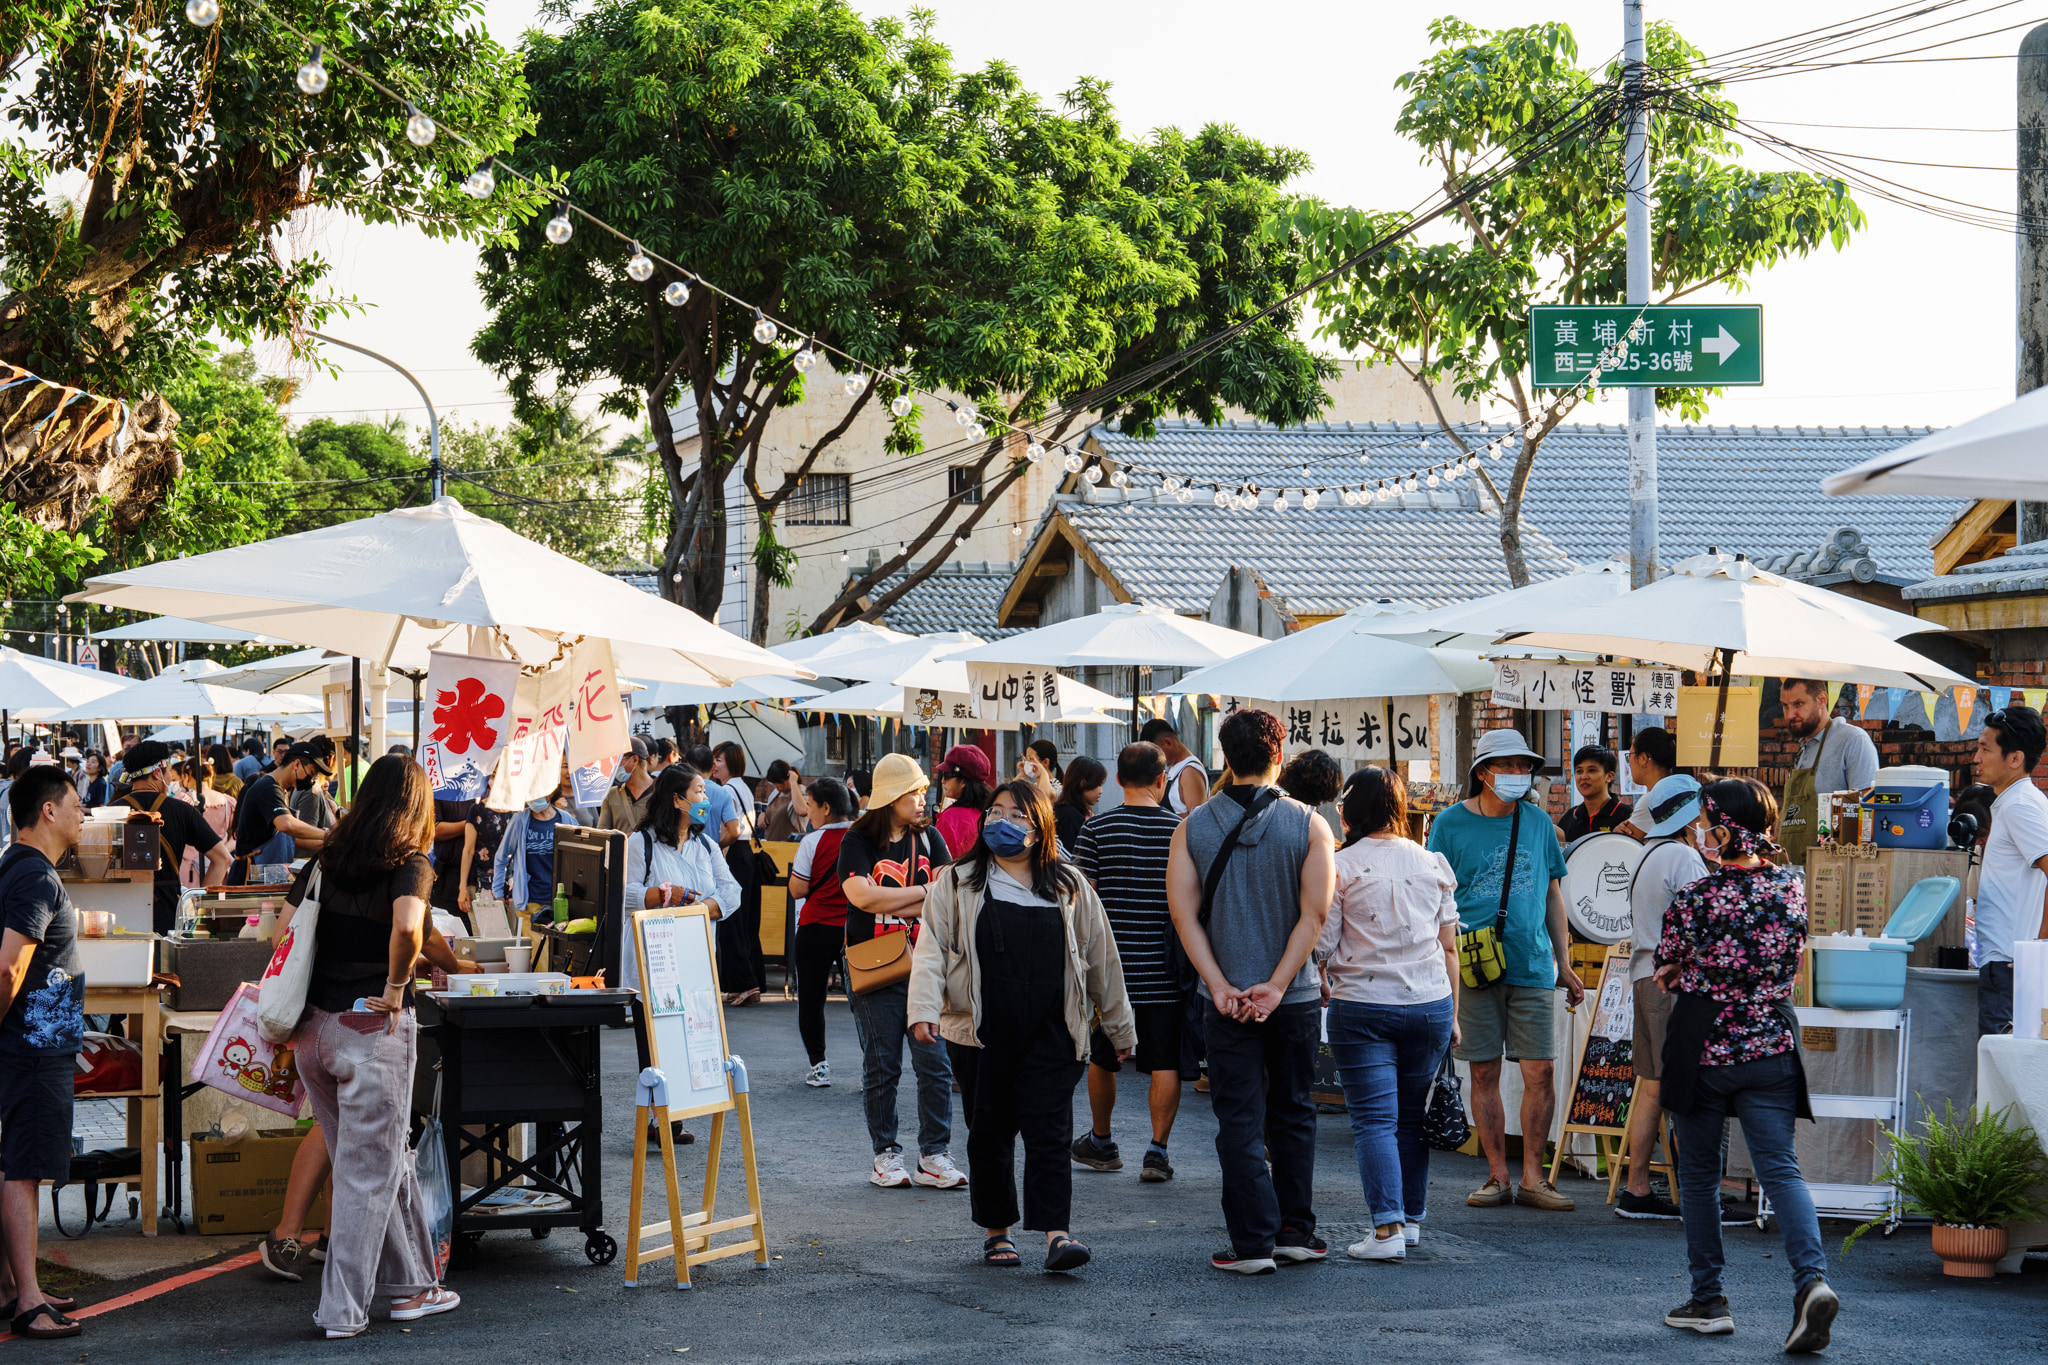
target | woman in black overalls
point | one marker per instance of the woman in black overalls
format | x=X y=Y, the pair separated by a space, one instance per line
x=1015 y=961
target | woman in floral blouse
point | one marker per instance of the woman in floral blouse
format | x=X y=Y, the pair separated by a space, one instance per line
x=1730 y=951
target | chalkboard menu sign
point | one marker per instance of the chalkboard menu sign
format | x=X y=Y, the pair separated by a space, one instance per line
x=1606 y=1074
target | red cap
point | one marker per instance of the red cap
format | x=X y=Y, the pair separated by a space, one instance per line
x=966 y=760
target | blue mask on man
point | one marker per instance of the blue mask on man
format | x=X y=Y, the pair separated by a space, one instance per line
x=1511 y=786
x=1004 y=839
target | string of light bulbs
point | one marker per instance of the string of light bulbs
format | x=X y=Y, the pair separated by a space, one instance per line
x=421 y=129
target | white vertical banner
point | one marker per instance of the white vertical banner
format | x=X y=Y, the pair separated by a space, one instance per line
x=1411 y=729
x=471 y=698
x=597 y=726
x=530 y=766
x=1012 y=693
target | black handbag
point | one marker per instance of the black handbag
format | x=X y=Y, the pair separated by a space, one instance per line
x=1444 y=1126
x=89 y=1169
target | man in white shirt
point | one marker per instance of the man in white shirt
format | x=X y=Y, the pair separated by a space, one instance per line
x=2012 y=885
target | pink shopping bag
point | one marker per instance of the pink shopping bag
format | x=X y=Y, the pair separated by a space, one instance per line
x=236 y=1059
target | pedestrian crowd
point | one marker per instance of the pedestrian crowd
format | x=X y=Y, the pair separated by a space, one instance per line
x=1023 y=943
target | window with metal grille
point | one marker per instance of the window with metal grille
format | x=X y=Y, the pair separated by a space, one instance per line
x=963 y=481
x=822 y=500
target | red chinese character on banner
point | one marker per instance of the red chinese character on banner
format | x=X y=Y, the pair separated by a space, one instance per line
x=464 y=717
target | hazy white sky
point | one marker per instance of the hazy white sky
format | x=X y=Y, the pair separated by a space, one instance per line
x=1911 y=325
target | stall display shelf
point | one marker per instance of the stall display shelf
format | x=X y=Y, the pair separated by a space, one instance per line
x=1859 y=1201
x=142 y=1006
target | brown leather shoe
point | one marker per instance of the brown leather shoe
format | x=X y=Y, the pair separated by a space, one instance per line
x=1491 y=1195
x=1544 y=1195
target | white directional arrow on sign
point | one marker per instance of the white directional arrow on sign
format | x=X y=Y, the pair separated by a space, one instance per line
x=1721 y=347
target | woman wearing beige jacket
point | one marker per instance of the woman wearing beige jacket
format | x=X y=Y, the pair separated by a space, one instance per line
x=1015 y=963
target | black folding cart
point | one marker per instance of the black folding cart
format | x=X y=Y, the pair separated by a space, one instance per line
x=519 y=1059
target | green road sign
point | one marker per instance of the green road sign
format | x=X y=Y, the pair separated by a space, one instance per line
x=1674 y=345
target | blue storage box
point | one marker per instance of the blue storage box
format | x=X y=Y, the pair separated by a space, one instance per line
x=1855 y=972
x=1909 y=808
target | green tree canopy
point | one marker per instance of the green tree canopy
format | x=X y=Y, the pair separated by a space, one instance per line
x=1454 y=314
x=192 y=147
x=841 y=174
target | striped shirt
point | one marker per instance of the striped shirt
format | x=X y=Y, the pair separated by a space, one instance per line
x=1123 y=851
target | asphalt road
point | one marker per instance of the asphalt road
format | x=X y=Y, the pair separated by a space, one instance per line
x=893 y=1275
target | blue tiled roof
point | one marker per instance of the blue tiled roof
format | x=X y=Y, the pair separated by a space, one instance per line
x=962 y=595
x=1324 y=562
x=1749 y=489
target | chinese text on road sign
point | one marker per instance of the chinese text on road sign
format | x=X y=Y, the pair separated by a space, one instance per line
x=1671 y=345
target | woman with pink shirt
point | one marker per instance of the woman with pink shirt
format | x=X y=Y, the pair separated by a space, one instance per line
x=1389 y=956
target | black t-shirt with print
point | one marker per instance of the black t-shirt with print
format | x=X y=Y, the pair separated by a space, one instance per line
x=256 y=817
x=910 y=861
x=48 y=1014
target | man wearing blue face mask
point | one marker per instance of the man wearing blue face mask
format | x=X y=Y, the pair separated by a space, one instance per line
x=1514 y=952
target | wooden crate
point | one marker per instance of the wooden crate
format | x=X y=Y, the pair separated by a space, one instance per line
x=1858 y=886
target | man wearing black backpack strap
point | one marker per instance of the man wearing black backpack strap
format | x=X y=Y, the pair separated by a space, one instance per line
x=1249 y=882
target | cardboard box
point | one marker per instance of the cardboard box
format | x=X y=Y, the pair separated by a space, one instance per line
x=1858 y=886
x=240 y=1186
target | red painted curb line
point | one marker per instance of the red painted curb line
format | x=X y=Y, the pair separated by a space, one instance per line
x=247 y=1258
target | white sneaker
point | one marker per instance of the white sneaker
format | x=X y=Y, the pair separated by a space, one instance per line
x=819 y=1077
x=889 y=1172
x=939 y=1172
x=1411 y=1233
x=1379 y=1249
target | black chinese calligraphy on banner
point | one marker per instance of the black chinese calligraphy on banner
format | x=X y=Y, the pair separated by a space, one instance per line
x=1627 y=691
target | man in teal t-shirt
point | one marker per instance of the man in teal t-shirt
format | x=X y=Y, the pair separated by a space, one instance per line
x=1514 y=1017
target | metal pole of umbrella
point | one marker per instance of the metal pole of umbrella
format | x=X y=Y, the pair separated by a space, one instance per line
x=355 y=726
x=434 y=473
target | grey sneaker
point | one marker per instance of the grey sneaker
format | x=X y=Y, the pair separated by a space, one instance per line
x=286 y=1258
x=1102 y=1156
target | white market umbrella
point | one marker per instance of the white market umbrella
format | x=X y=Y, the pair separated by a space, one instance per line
x=1340 y=658
x=174 y=628
x=656 y=696
x=1716 y=610
x=354 y=587
x=852 y=638
x=870 y=659
x=34 y=688
x=1475 y=624
x=1124 y=635
x=167 y=700
x=892 y=701
x=1080 y=704
x=283 y=670
x=1997 y=455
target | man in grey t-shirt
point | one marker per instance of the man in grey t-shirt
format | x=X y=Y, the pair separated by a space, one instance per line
x=1840 y=752
x=1263 y=997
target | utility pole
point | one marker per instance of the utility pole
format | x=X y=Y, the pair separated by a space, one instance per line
x=2031 y=371
x=1642 y=403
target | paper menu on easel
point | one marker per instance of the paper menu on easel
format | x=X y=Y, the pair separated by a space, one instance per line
x=664 y=968
x=700 y=1033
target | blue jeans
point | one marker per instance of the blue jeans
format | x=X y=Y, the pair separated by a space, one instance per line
x=1386 y=1057
x=1764 y=1094
x=1259 y=1077
x=882 y=1019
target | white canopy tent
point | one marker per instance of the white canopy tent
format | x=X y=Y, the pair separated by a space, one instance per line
x=33 y=688
x=178 y=630
x=354 y=587
x=1714 y=610
x=870 y=659
x=1997 y=455
x=166 y=701
x=846 y=641
x=1476 y=624
x=1345 y=657
x=896 y=700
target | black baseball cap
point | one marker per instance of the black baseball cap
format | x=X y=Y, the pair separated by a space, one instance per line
x=307 y=754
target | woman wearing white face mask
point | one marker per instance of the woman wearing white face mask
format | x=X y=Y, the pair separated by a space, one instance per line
x=525 y=866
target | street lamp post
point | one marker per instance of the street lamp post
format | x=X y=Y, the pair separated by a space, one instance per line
x=433 y=422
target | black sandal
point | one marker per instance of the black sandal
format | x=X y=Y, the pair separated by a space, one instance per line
x=61 y=1302
x=1064 y=1253
x=24 y=1325
x=1000 y=1251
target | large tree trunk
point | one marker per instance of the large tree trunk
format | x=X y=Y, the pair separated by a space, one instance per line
x=757 y=617
x=58 y=459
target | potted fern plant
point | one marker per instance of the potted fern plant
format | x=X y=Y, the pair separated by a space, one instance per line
x=1972 y=1175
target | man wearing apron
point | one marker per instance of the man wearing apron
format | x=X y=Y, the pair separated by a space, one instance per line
x=1835 y=754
